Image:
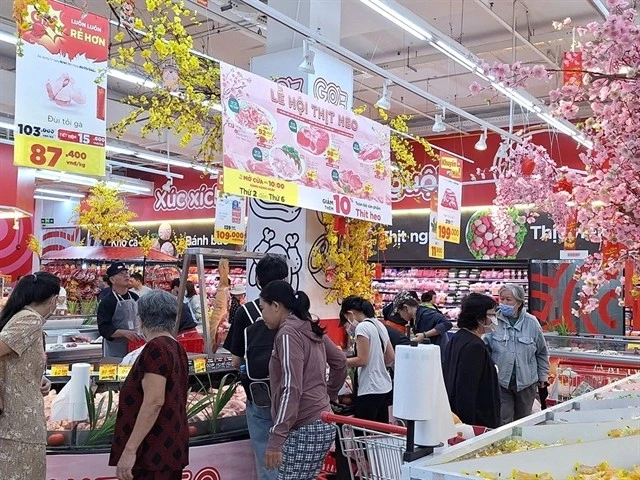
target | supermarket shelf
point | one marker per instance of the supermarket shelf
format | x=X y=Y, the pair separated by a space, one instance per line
x=451 y=279
x=631 y=360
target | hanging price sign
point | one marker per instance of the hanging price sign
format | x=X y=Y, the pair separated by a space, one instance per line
x=229 y=226
x=60 y=117
x=448 y=233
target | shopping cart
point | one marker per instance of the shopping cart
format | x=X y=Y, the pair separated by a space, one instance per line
x=374 y=449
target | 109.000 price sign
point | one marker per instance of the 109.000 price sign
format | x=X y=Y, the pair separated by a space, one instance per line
x=232 y=237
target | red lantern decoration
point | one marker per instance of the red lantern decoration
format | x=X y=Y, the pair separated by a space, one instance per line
x=340 y=225
x=378 y=271
x=528 y=166
x=563 y=185
x=610 y=251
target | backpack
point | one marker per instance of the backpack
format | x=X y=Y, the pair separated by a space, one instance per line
x=258 y=341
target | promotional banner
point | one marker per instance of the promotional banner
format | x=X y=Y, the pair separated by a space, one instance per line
x=61 y=91
x=231 y=212
x=221 y=461
x=449 y=199
x=436 y=246
x=409 y=239
x=286 y=147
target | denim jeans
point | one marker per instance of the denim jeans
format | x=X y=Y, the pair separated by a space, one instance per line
x=259 y=422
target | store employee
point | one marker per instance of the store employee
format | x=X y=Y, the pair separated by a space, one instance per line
x=117 y=313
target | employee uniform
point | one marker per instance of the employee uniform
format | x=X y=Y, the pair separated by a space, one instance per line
x=116 y=312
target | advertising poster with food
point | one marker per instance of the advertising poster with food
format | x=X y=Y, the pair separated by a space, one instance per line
x=61 y=91
x=283 y=146
x=229 y=226
x=436 y=246
x=449 y=199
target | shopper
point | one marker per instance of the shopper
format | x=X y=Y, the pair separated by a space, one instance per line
x=151 y=439
x=429 y=324
x=372 y=354
x=519 y=350
x=137 y=285
x=105 y=287
x=394 y=320
x=300 y=392
x=117 y=314
x=469 y=373
x=254 y=355
x=194 y=300
x=175 y=290
x=237 y=293
x=428 y=299
x=22 y=423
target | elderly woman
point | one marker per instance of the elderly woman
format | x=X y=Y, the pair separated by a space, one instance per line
x=22 y=360
x=520 y=352
x=151 y=440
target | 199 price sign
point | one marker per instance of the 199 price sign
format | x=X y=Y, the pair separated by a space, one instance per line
x=448 y=233
x=35 y=151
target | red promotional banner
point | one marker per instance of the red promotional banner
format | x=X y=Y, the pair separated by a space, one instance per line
x=572 y=229
x=572 y=68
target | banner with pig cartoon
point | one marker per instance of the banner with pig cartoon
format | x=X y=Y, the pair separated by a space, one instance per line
x=61 y=86
x=286 y=147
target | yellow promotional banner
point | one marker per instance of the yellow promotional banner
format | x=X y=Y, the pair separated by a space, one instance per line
x=61 y=96
x=238 y=182
x=52 y=154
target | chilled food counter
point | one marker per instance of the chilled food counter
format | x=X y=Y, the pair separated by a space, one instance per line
x=219 y=445
x=596 y=435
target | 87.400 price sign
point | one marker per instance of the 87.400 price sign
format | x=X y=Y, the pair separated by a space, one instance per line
x=78 y=153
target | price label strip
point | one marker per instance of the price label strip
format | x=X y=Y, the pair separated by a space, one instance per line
x=108 y=372
x=199 y=365
x=229 y=236
x=59 y=370
x=123 y=371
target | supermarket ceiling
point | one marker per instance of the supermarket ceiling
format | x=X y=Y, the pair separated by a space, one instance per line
x=234 y=32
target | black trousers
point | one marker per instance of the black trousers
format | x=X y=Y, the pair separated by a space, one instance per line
x=374 y=407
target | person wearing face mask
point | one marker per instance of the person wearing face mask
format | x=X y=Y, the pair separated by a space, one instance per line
x=519 y=350
x=373 y=352
x=469 y=373
x=22 y=360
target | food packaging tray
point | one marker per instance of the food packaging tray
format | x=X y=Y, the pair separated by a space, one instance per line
x=588 y=416
x=559 y=461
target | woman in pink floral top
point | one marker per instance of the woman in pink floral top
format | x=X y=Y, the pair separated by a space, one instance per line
x=22 y=362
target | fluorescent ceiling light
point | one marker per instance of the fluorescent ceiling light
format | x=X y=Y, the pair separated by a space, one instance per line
x=8 y=37
x=400 y=20
x=127 y=77
x=7 y=125
x=90 y=181
x=452 y=52
x=54 y=199
x=59 y=192
x=601 y=7
x=119 y=150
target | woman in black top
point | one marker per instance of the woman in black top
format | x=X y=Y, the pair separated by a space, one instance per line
x=469 y=373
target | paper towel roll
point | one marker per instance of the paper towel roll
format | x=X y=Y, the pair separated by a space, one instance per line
x=415 y=369
x=440 y=427
x=71 y=403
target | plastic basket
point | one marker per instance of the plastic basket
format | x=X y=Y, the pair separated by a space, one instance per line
x=191 y=341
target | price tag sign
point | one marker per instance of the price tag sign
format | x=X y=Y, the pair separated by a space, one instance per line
x=229 y=236
x=52 y=154
x=200 y=365
x=436 y=251
x=123 y=371
x=448 y=233
x=229 y=225
x=108 y=372
x=59 y=370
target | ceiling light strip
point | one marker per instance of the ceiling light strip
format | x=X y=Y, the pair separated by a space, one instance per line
x=358 y=60
x=59 y=192
x=466 y=59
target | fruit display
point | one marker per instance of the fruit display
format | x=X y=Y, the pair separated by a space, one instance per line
x=489 y=241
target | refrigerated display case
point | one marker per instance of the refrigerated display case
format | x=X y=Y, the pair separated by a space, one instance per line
x=570 y=440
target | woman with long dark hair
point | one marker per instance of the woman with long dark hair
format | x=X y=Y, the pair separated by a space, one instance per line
x=373 y=353
x=22 y=362
x=299 y=440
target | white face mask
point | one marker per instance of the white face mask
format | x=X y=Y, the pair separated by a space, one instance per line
x=491 y=326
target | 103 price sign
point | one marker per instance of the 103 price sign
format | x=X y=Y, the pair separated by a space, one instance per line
x=37 y=147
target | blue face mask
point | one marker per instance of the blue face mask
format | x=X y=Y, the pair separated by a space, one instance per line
x=507 y=310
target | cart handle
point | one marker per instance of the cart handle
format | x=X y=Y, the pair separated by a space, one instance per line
x=328 y=417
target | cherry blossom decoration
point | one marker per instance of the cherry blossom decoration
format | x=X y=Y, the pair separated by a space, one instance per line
x=607 y=195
